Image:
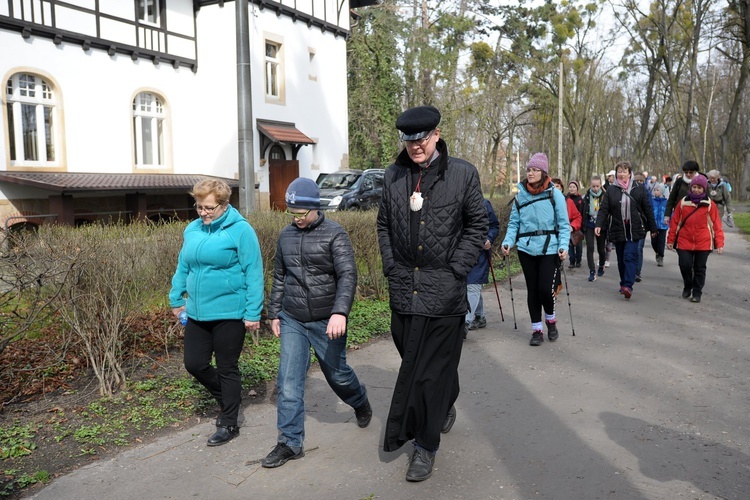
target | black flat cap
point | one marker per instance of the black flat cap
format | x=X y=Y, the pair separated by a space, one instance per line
x=416 y=123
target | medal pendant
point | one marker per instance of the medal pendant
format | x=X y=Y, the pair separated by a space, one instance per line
x=415 y=202
x=713 y=192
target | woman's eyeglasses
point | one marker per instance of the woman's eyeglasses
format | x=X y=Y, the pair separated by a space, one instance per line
x=297 y=215
x=204 y=208
x=532 y=170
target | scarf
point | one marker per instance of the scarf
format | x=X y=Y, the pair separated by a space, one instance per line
x=696 y=197
x=594 y=201
x=536 y=190
x=625 y=201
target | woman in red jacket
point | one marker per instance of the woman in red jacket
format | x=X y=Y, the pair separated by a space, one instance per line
x=694 y=231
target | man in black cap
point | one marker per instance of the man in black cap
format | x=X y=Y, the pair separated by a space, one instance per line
x=431 y=226
x=681 y=186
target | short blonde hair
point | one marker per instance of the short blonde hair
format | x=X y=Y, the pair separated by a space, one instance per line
x=217 y=187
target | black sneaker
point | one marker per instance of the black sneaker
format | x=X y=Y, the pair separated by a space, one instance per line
x=600 y=272
x=450 y=419
x=480 y=322
x=592 y=275
x=552 y=332
x=537 y=338
x=363 y=414
x=695 y=299
x=473 y=325
x=686 y=292
x=420 y=464
x=223 y=435
x=638 y=278
x=281 y=455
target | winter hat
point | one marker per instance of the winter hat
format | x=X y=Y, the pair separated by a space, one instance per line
x=578 y=186
x=611 y=172
x=539 y=160
x=690 y=166
x=303 y=193
x=699 y=180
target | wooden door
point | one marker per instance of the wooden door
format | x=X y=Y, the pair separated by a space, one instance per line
x=280 y=174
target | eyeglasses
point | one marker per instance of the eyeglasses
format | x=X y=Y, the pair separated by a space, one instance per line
x=298 y=215
x=420 y=142
x=203 y=208
x=533 y=170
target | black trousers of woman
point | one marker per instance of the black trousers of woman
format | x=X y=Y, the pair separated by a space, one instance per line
x=540 y=272
x=693 y=269
x=601 y=248
x=223 y=340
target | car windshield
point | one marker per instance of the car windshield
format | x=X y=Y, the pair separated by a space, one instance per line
x=338 y=180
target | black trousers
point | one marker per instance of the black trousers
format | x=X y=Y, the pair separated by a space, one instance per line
x=601 y=248
x=693 y=269
x=659 y=242
x=223 y=340
x=427 y=383
x=541 y=273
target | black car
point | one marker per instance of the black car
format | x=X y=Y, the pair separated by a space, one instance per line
x=351 y=189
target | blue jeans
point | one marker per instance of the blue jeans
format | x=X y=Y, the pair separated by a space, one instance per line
x=627 y=259
x=476 y=304
x=639 y=262
x=296 y=340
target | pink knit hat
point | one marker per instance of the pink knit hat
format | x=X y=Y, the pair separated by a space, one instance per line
x=539 y=160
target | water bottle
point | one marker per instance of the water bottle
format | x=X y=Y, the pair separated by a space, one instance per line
x=183 y=317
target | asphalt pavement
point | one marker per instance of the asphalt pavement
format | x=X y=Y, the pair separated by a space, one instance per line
x=649 y=400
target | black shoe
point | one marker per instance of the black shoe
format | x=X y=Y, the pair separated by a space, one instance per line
x=450 y=419
x=480 y=322
x=537 y=338
x=420 y=464
x=552 y=332
x=473 y=325
x=571 y=266
x=281 y=455
x=686 y=292
x=638 y=278
x=600 y=272
x=363 y=414
x=695 y=299
x=578 y=264
x=223 y=435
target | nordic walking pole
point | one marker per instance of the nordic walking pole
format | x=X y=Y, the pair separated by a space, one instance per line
x=510 y=283
x=489 y=259
x=567 y=292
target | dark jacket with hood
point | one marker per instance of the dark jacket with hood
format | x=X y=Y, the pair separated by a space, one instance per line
x=315 y=274
x=428 y=253
x=640 y=214
x=679 y=190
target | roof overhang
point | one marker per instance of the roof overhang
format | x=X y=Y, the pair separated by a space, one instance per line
x=281 y=132
x=71 y=182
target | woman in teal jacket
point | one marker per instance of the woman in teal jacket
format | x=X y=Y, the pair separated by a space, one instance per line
x=540 y=228
x=219 y=283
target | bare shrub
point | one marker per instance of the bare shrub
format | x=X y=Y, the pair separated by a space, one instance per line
x=31 y=278
x=119 y=271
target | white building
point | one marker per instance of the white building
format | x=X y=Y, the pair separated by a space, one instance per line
x=119 y=106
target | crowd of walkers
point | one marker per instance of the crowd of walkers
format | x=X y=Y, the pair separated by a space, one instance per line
x=435 y=232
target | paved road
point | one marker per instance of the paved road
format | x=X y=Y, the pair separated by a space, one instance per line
x=649 y=400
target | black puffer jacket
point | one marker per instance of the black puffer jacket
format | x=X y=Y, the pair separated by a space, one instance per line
x=315 y=274
x=641 y=215
x=427 y=271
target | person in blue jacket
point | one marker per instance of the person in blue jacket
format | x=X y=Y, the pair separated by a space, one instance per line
x=539 y=227
x=219 y=283
x=479 y=275
x=659 y=206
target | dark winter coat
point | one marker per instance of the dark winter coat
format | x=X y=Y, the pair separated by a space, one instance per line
x=479 y=274
x=315 y=274
x=641 y=214
x=680 y=189
x=427 y=254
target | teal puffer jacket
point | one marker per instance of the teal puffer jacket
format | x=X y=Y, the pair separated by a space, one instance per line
x=537 y=225
x=219 y=272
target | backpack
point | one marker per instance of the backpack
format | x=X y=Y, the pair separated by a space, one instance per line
x=539 y=232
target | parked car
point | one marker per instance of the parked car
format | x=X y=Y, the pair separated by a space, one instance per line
x=351 y=189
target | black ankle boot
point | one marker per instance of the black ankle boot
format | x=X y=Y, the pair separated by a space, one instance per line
x=223 y=435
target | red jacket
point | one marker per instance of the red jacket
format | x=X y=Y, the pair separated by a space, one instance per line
x=702 y=231
x=574 y=215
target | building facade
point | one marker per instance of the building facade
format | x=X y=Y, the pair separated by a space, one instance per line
x=116 y=107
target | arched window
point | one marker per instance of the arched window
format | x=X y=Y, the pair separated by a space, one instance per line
x=149 y=125
x=276 y=153
x=32 y=120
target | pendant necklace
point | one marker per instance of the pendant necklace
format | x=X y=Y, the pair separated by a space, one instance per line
x=415 y=200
